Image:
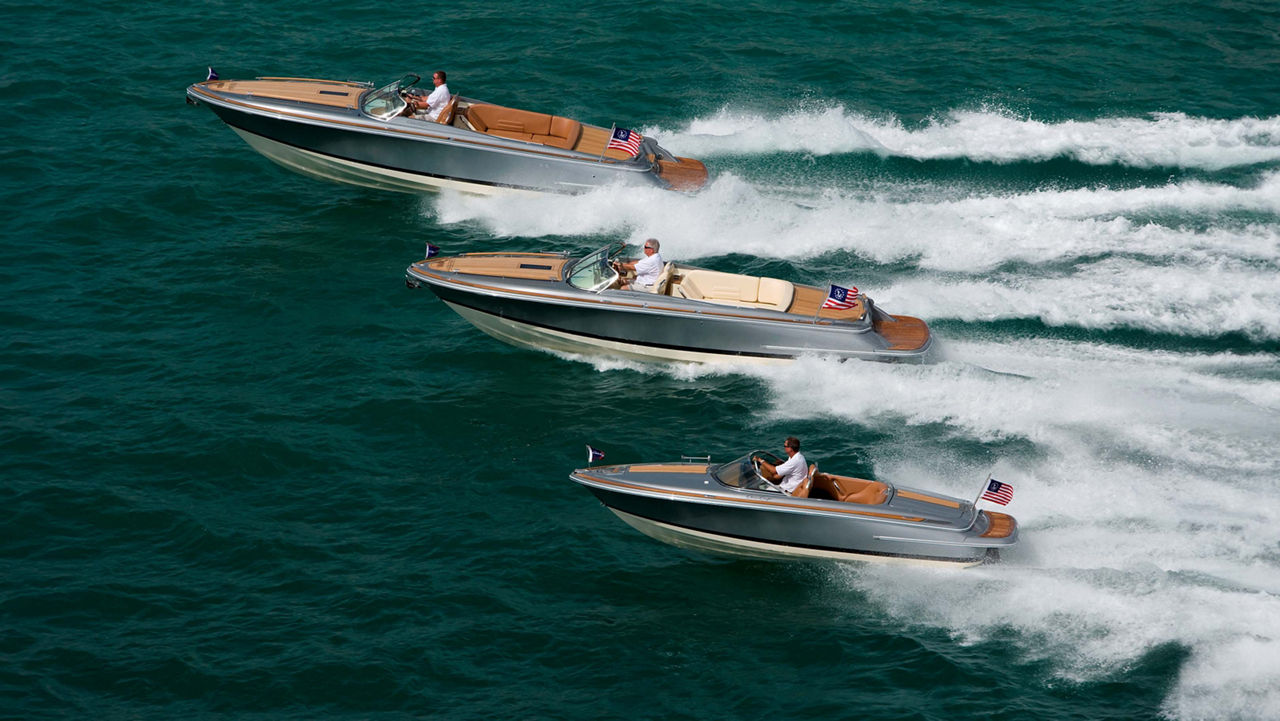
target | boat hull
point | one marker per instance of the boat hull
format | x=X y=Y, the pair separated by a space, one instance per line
x=707 y=542
x=343 y=145
x=646 y=329
x=754 y=528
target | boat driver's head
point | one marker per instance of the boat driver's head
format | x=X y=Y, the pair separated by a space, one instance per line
x=792 y=443
x=651 y=244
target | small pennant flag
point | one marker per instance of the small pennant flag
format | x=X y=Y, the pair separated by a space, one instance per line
x=628 y=140
x=594 y=454
x=998 y=492
x=432 y=250
x=213 y=75
x=841 y=298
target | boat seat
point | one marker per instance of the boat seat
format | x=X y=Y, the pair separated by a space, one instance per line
x=747 y=291
x=851 y=490
x=446 y=115
x=664 y=280
x=524 y=125
x=802 y=490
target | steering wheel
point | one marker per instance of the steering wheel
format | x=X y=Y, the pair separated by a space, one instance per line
x=755 y=464
x=407 y=97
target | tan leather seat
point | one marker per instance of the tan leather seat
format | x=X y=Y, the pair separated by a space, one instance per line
x=802 y=490
x=524 y=125
x=446 y=115
x=851 y=490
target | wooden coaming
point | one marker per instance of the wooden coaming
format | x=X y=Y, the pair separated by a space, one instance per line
x=668 y=468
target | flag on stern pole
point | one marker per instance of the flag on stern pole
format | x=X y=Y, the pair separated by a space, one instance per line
x=841 y=298
x=997 y=492
x=628 y=140
x=432 y=250
x=213 y=74
x=594 y=454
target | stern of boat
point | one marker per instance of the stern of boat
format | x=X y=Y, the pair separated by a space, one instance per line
x=684 y=174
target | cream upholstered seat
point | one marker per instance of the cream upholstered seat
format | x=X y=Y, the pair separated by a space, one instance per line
x=664 y=280
x=747 y=291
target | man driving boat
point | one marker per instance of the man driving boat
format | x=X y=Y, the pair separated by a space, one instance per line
x=790 y=473
x=435 y=102
x=647 y=269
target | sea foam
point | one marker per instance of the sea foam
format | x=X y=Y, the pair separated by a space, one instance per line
x=989 y=135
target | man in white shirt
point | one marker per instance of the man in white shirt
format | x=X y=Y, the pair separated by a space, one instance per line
x=647 y=268
x=436 y=101
x=790 y=473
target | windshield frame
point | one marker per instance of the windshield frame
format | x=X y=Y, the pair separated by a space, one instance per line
x=596 y=273
x=387 y=101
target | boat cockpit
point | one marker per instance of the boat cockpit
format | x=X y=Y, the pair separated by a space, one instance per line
x=744 y=473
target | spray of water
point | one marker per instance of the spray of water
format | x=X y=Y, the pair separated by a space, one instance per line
x=1148 y=504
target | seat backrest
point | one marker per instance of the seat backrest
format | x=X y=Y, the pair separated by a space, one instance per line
x=802 y=490
x=446 y=115
x=664 y=280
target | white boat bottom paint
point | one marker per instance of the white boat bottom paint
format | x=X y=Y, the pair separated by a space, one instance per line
x=346 y=171
x=529 y=336
x=710 y=542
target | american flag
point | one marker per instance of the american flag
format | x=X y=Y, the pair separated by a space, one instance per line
x=628 y=140
x=841 y=298
x=998 y=492
x=432 y=250
x=213 y=75
x=594 y=454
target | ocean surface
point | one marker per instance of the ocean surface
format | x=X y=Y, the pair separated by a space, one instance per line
x=245 y=473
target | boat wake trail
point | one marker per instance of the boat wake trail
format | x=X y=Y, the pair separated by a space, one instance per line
x=1173 y=140
x=1146 y=496
x=1193 y=258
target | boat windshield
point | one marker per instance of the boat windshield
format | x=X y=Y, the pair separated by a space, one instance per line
x=387 y=102
x=593 y=272
x=741 y=473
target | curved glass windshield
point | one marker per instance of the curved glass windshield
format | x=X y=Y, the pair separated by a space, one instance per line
x=741 y=473
x=593 y=272
x=386 y=102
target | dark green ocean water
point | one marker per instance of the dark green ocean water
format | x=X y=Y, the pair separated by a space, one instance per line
x=245 y=473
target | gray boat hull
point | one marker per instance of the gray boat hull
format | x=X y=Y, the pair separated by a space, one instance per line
x=553 y=315
x=691 y=509
x=341 y=143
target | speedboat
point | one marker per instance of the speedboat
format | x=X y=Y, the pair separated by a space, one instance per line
x=356 y=133
x=555 y=302
x=730 y=508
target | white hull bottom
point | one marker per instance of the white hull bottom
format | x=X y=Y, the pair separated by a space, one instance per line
x=528 y=336
x=710 y=542
x=346 y=171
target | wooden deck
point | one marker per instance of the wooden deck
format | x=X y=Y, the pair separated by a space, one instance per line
x=529 y=266
x=319 y=92
x=685 y=174
x=903 y=332
x=1002 y=525
x=594 y=141
x=808 y=302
